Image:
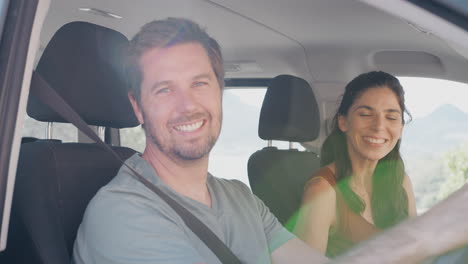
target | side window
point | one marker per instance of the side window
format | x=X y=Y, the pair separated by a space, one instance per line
x=133 y=138
x=239 y=134
x=238 y=139
x=36 y=129
x=435 y=143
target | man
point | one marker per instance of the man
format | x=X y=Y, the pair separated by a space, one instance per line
x=176 y=74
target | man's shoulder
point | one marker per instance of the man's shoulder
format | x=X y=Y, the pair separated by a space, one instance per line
x=124 y=198
x=124 y=208
x=124 y=193
x=121 y=222
x=125 y=187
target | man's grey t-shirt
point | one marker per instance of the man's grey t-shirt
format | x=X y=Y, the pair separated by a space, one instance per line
x=127 y=223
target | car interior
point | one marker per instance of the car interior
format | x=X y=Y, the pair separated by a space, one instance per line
x=301 y=52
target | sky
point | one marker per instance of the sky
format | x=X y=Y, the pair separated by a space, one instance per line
x=423 y=95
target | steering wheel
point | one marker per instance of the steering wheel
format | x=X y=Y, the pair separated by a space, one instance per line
x=458 y=256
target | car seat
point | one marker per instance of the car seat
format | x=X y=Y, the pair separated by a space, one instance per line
x=55 y=181
x=277 y=176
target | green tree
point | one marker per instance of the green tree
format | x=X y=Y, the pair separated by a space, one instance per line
x=456 y=167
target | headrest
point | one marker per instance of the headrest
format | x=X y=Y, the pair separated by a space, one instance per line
x=83 y=62
x=289 y=111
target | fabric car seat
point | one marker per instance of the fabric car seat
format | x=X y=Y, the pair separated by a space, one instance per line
x=55 y=181
x=277 y=176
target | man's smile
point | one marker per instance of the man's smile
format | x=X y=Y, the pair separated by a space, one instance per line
x=190 y=127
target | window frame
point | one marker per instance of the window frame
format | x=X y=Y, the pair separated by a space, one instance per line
x=19 y=44
x=445 y=11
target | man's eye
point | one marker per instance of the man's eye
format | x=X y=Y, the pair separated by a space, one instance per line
x=198 y=84
x=162 y=91
x=392 y=118
x=364 y=114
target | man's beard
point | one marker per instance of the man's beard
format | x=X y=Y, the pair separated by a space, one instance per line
x=184 y=151
x=181 y=150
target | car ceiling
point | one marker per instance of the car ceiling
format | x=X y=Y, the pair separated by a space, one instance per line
x=323 y=41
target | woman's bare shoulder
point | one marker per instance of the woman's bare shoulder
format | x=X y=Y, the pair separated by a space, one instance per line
x=321 y=184
x=324 y=175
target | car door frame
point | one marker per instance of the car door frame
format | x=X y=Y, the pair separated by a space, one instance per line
x=23 y=20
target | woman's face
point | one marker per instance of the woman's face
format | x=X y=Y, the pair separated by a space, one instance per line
x=373 y=124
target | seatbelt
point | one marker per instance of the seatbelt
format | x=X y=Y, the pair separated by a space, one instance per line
x=53 y=100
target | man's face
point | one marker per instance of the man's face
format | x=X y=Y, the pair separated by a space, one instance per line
x=180 y=104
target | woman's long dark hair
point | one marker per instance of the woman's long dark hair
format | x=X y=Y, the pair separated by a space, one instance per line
x=389 y=200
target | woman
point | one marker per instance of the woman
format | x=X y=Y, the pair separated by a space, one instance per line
x=362 y=186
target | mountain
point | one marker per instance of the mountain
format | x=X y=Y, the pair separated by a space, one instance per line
x=425 y=142
x=436 y=133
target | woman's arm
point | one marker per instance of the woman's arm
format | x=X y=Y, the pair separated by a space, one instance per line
x=408 y=186
x=317 y=213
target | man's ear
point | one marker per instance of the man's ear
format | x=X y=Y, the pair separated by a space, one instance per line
x=136 y=108
x=342 y=123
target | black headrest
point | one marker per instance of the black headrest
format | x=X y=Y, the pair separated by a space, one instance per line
x=289 y=111
x=83 y=62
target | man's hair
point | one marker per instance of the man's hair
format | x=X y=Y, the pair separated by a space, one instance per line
x=167 y=33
